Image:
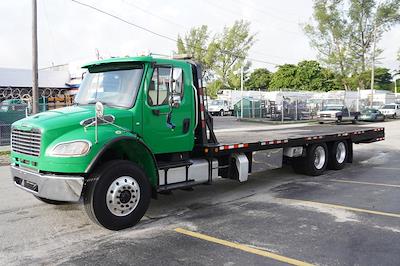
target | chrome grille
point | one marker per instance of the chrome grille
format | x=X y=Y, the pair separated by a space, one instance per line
x=325 y=115
x=26 y=141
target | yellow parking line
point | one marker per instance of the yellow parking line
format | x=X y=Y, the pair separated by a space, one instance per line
x=242 y=247
x=334 y=206
x=363 y=183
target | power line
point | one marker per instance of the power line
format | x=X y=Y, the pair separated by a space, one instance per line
x=230 y=11
x=165 y=36
x=152 y=14
x=124 y=20
x=258 y=9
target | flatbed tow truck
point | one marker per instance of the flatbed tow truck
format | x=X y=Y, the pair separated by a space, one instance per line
x=139 y=127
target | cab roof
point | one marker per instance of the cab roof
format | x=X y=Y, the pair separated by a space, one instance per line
x=127 y=59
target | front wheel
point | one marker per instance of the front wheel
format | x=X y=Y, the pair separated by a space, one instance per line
x=222 y=113
x=117 y=195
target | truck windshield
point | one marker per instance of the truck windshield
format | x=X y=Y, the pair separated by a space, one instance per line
x=216 y=102
x=114 y=88
x=389 y=107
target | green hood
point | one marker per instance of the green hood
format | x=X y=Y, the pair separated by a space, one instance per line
x=58 y=122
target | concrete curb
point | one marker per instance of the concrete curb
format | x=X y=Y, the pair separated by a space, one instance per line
x=5 y=148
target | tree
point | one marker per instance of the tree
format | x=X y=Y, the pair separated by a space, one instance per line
x=213 y=87
x=198 y=44
x=343 y=33
x=284 y=77
x=370 y=20
x=383 y=79
x=329 y=35
x=306 y=75
x=259 y=79
x=232 y=47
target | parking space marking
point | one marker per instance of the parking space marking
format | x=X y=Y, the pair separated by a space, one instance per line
x=242 y=247
x=334 y=206
x=363 y=183
x=387 y=168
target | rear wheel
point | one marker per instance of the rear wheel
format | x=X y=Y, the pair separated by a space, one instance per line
x=315 y=161
x=338 y=154
x=117 y=195
x=221 y=112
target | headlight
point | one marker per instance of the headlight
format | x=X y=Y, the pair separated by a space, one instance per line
x=72 y=148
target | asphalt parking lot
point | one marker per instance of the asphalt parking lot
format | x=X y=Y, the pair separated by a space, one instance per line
x=347 y=217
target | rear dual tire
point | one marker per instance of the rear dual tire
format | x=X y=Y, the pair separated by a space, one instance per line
x=338 y=155
x=319 y=157
x=315 y=161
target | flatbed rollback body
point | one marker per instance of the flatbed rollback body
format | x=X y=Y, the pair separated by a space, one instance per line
x=140 y=127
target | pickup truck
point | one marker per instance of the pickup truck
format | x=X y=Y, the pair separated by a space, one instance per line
x=139 y=127
x=336 y=113
x=391 y=110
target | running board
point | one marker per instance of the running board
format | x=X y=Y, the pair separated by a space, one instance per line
x=185 y=184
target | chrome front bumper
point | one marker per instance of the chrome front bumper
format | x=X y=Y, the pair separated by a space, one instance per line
x=53 y=187
x=326 y=118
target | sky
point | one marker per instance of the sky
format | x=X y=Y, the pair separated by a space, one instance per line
x=69 y=32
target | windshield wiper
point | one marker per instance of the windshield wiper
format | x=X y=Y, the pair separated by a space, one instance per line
x=108 y=104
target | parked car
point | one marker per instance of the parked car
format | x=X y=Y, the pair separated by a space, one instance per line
x=372 y=115
x=218 y=107
x=336 y=113
x=391 y=110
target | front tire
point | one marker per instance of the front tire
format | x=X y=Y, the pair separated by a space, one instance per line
x=117 y=195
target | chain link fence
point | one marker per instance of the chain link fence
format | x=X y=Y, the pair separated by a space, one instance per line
x=16 y=103
x=287 y=110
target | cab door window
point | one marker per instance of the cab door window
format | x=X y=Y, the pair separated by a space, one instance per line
x=159 y=86
x=159 y=89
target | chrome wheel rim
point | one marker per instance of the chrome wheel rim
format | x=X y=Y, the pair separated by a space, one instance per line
x=319 y=157
x=123 y=196
x=340 y=152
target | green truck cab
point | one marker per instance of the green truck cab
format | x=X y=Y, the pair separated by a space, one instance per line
x=54 y=152
x=138 y=127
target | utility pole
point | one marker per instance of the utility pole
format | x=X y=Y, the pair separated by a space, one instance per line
x=241 y=92
x=373 y=67
x=35 y=75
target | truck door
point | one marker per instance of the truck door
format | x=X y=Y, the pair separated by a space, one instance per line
x=345 y=112
x=176 y=133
